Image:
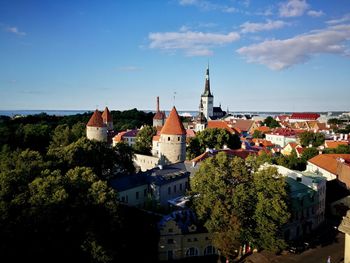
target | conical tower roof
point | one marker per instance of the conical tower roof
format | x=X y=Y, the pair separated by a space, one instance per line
x=96 y=120
x=173 y=124
x=107 y=116
x=207 y=92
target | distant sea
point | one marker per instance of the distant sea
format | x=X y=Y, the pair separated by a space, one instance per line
x=13 y=113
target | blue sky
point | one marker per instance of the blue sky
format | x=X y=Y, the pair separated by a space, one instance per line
x=264 y=55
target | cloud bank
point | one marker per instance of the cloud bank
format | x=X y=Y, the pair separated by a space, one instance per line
x=281 y=54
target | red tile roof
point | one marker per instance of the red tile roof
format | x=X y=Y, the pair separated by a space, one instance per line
x=263 y=129
x=160 y=115
x=156 y=138
x=173 y=124
x=107 y=116
x=190 y=133
x=221 y=125
x=284 y=132
x=328 y=162
x=96 y=120
x=305 y=116
x=242 y=153
x=243 y=125
x=334 y=144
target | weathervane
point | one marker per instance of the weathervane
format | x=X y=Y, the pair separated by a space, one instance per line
x=174 y=97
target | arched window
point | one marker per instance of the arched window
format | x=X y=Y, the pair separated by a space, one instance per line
x=191 y=252
x=209 y=250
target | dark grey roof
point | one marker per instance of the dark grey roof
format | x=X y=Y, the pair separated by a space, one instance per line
x=168 y=174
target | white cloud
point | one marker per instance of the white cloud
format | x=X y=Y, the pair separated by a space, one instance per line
x=14 y=30
x=343 y=19
x=315 y=13
x=281 y=54
x=293 y=8
x=208 y=5
x=248 y=27
x=192 y=43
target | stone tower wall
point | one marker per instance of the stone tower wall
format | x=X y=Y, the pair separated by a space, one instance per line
x=173 y=148
x=96 y=133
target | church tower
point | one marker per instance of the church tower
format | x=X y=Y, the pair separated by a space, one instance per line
x=201 y=121
x=207 y=98
x=173 y=139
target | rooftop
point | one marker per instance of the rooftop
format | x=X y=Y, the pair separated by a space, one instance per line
x=96 y=120
x=173 y=124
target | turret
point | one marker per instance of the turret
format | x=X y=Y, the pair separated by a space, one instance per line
x=107 y=119
x=96 y=129
x=173 y=139
x=159 y=117
x=201 y=121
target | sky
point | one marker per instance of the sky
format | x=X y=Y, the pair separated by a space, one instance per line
x=288 y=55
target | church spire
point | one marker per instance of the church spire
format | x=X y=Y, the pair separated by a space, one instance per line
x=207 y=84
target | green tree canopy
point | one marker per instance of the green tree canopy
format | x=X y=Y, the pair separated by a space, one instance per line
x=310 y=138
x=240 y=205
x=308 y=153
x=212 y=138
x=271 y=122
x=143 y=140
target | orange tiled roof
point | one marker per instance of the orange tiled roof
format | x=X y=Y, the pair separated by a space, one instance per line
x=160 y=115
x=263 y=129
x=335 y=144
x=119 y=136
x=328 y=161
x=190 y=133
x=239 y=153
x=107 y=116
x=96 y=120
x=173 y=124
x=243 y=125
x=221 y=125
x=156 y=138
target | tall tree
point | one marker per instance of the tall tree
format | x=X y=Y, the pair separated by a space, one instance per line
x=271 y=122
x=310 y=138
x=143 y=140
x=308 y=153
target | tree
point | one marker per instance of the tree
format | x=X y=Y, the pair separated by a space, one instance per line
x=239 y=204
x=341 y=149
x=308 y=153
x=214 y=182
x=212 y=138
x=143 y=140
x=310 y=138
x=271 y=122
x=258 y=134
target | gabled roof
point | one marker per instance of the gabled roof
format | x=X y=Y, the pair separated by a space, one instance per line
x=305 y=116
x=173 y=124
x=283 y=132
x=96 y=120
x=243 y=125
x=328 y=162
x=107 y=116
x=221 y=125
x=334 y=144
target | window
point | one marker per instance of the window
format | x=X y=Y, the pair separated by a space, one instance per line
x=209 y=250
x=168 y=138
x=137 y=195
x=174 y=188
x=145 y=192
x=186 y=185
x=169 y=190
x=170 y=230
x=180 y=187
x=192 y=251
x=178 y=139
x=188 y=239
x=123 y=198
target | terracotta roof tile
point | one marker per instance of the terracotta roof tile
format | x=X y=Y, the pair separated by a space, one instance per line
x=173 y=124
x=328 y=161
x=243 y=125
x=160 y=115
x=305 y=116
x=156 y=138
x=107 y=116
x=96 y=120
x=221 y=125
x=335 y=144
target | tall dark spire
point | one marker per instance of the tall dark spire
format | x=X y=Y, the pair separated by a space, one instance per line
x=207 y=84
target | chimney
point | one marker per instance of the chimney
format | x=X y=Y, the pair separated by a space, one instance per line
x=346 y=137
x=341 y=136
x=334 y=137
x=157 y=104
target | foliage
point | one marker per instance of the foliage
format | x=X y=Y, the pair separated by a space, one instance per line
x=143 y=140
x=341 y=149
x=308 y=153
x=271 y=122
x=212 y=138
x=131 y=119
x=291 y=161
x=334 y=121
x=310 y=138
x=239 y=204
x=258 y=134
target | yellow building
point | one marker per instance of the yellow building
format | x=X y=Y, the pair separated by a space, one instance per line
x=181 y=236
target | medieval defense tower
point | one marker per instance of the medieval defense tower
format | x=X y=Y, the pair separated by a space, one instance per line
x=96 y=129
